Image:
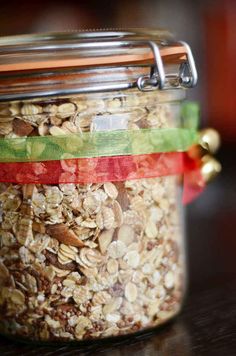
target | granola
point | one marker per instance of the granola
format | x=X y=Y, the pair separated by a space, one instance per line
x=94 y=260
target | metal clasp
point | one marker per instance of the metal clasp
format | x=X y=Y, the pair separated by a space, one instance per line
x=157 y=77
x=187 y=73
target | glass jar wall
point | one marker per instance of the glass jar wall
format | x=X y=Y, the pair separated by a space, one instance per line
x=87 y=261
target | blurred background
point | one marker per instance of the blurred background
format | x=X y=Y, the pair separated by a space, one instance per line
x=210 y=28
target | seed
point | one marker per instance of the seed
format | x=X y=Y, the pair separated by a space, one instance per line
x=17 y=297
x=5 y=128
x=132 y=258
x=105 y=239
x=113 y=318
x=138 y=204
x=24 y=233
x=118 y=213
x=151 y=230
x=169 y=280
x=126 y=234
x=116 y=249
x=53 y=196
x=69 y=127
x=101 y=298
x=4 y=273
x=55 y=121
x=50 y=109
x=89 y=223
x=112 y=266
x=15 y=109
x=147 y=268
x=91 y=205
x=5 y=119
x=43 y=129
x=66 y=110
x=8 y=239
x=108 y=218
x=56 y=131
x=113 y=305
x=81 y=295
x=55 y=324
x=111 y=190
x=131 y=292
x=53 y=289
x=90 y=257
x=30 y=109
x=83 y=324
x=70 y=250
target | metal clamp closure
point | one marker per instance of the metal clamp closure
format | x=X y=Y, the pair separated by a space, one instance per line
x=158 y=79
x=187 y=73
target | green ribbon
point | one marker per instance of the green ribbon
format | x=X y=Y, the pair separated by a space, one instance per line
x=190 y=113
x=104 y=143
x=96 y=144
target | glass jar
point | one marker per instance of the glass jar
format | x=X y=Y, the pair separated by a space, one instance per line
x=99 y=253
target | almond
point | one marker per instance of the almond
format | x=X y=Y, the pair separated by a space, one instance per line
x=53 y=260
x=122 y=198
x=28 y=190
x=65 y=235
x=38 y=227
x=22 y=128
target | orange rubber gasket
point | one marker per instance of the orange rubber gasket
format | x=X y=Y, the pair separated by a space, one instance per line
x=169 y=55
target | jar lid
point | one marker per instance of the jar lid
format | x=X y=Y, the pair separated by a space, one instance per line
x=39 y=65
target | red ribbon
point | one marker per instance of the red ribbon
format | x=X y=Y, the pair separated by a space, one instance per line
x=104 y=169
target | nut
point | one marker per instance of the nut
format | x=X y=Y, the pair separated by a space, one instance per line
x=63 y=234
x=21 y=128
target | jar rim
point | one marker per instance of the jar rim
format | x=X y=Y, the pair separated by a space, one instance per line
x=84 y=49
x=59 y=38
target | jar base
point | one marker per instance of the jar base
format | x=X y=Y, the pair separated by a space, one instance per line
x=108 y=341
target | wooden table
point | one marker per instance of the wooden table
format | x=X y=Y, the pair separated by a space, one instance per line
x=207 y=324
